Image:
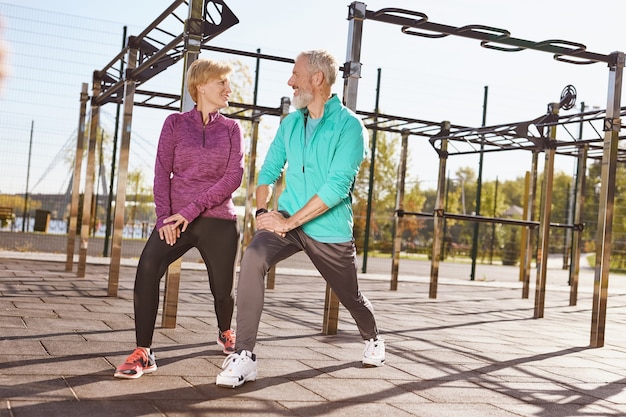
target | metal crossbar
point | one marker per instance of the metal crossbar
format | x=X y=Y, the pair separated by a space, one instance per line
x=486 y=219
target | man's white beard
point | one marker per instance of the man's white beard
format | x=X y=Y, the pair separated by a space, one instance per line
x=302 y=99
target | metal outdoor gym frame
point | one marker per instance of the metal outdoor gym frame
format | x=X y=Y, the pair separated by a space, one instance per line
x=516 y=136
x=156 y=49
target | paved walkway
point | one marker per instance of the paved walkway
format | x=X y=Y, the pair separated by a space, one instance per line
x=474 y=351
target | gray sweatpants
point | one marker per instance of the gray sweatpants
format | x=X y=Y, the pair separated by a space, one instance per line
x=336 y=262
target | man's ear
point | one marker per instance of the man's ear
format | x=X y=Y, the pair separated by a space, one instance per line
x=318 y=77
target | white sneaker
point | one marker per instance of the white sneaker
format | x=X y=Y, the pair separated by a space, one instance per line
x=238 y=367
x=374 y=352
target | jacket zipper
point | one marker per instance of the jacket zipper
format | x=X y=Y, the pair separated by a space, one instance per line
x=204 y=131
x=306 y=118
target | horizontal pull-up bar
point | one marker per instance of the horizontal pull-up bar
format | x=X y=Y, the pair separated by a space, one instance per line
x=417 y=24
x=485 y=219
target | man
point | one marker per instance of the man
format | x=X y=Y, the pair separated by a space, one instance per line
x=322 y=145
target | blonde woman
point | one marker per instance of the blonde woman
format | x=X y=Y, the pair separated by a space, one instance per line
x=199 y=164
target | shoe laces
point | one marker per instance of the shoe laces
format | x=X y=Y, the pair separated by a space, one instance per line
x=372 y=345
x=233 y=357
x=138 y=355
x=229 y=336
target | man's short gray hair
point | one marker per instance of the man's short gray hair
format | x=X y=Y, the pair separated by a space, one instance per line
x=321 y=60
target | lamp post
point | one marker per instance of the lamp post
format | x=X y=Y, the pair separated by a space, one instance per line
x=30 y=150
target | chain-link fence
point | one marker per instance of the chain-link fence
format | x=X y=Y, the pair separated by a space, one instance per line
x=51 y=55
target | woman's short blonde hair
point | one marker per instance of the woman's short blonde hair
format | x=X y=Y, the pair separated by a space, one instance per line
x=203 y=70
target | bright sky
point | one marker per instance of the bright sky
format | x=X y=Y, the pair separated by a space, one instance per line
x=427 y=79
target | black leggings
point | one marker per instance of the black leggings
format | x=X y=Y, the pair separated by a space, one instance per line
x=217 y=240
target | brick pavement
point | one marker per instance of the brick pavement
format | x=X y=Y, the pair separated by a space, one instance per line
x=475 y=351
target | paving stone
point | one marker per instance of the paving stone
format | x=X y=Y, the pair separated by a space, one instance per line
x=474 y=351
x=73 y=408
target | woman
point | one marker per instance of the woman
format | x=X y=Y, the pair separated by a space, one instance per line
x=199 y=164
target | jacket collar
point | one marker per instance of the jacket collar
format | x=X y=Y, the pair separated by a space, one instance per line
x=197 y=115
x=331 y=105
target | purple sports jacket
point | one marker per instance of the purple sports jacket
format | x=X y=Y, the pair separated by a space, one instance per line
x=198 y=167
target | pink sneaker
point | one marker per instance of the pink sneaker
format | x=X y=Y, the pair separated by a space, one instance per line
x=226 y=340
x=140 y=362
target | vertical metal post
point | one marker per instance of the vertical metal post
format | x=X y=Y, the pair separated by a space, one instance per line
x=438 y=218
x=330 y=322
x=577 y=235
x=78 y=162
x=352 y=66
x=285 y=102
x=525 y=233
x=351 y=74
x=193 y=41
x=248 y=230
x=89 y=177
x=576 y=193
x=107 y=233
x=99 y=178
x=569 y=216
x=530 y=216
x=399 y=219
x=122 y=177
x=544 y=223
x=493 y=225
x=370 y=190
x=479 y=188
x=612 y=126
x=444 y=249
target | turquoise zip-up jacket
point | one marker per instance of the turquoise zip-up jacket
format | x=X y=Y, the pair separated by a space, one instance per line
x=327 y=166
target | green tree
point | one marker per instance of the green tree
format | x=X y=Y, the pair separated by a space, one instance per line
x=242 y=83
x=15 y=201
x=592 y=201
x=384 y=194
x=138 y=197
x=414 y=227
x=512 y=192
x=492 y=205
x=460 y=198
x=561 y=196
